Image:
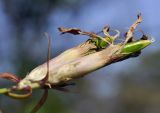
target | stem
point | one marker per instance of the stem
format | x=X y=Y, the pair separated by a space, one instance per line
x=4 y=90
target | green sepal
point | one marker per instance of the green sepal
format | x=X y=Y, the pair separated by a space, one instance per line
x=135 y=46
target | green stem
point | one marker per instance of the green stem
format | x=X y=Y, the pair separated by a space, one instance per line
x=4 y=90
x=8 y=91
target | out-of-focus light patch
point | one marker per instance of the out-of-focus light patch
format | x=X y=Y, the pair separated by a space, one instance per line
x=104 y=84
x=97 y=16
x=6 y=43
x=36 y=45
x=9 y=104
x=6 y=66
x=58 y=19
x=150 y=10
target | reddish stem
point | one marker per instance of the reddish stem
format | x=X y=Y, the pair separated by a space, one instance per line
x=10 y=76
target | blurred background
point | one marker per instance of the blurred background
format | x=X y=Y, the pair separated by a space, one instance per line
x=131 y=86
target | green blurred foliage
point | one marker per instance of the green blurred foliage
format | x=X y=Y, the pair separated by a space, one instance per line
x=140 y=91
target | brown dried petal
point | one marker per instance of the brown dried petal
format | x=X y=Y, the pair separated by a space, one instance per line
x=131 y=30
x=74 y=31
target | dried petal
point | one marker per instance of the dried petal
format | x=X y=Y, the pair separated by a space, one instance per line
x=131 y=30
x=74 y=31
